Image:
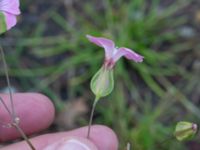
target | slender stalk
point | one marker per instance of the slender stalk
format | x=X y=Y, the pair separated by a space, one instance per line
x=4 y=104
x=91 y=116
x=23 y=135
x=12 y=113
x=8 y=82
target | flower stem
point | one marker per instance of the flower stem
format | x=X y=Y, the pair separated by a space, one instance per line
x=8 y=82
x=17 y=127
x=91 y=116
x=5 y=106
x=12 y=113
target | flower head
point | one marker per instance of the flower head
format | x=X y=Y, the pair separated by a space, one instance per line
x=9 y=9
x=112 y=53
x=185 y=130
x=102 y=82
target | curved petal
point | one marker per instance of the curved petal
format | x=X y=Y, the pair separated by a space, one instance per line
x=10 y=6
x=107 y=44
x=10 y=20
x=128 y=53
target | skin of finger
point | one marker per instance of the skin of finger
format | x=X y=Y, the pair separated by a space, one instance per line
x=103 y=137
x=31 y=108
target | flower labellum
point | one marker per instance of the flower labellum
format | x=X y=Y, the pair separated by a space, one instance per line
x=102 y=83
x=9 y=9
x=185 y=130
x=112 y=53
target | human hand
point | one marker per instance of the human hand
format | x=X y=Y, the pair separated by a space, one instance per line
x=36 y=112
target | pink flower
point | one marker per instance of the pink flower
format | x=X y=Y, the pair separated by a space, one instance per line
x=112 y=53
x=9 y=9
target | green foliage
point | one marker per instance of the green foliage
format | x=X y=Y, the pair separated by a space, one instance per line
x=145 y=103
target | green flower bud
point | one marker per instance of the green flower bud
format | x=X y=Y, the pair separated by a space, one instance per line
x=102 y=82
x=185 y=130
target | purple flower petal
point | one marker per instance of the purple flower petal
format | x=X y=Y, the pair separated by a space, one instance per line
x=128 y=53
x=10 y=20
x=107 y=44
x=10 y=6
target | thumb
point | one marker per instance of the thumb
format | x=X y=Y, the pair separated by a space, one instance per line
x=72 y=143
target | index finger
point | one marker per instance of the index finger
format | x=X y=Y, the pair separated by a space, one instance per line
x=36 y=112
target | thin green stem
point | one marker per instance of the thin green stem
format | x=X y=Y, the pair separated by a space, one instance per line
x=91 y=116
x=8 y=82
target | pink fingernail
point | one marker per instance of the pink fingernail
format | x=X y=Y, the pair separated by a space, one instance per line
x=71 y=144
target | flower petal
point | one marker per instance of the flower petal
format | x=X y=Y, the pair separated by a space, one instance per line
x=10 y=6
x=107 y=44
x=128 y=53
x=10 y=20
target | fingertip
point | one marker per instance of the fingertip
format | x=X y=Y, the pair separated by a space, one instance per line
x=104 y=137
x=45 y=105
x=36 y=112
x=101 y=136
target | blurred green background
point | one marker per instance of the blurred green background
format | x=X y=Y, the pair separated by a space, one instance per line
x=48 y=52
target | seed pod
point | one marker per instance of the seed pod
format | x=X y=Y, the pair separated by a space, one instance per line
x=102 y=83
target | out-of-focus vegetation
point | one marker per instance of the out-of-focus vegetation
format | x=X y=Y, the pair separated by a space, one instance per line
x=48 y=52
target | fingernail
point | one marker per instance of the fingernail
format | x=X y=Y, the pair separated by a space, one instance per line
x=71 y=144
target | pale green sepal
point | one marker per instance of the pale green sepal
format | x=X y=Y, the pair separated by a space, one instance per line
x=102 y=82
x=2 y=23
x=185 y=130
